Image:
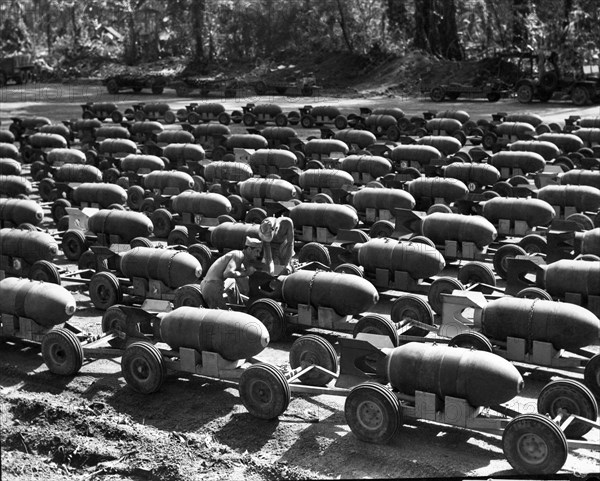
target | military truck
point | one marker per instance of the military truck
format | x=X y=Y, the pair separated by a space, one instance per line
x=17 y=68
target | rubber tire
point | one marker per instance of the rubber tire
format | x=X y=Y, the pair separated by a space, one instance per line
x=162 y=220
x=73 y=244
x=533 y=293
x=45 y=271
x=270 y=313
x=471 y=340
x=188 y=295
x=105 y=290
x=591 y=375
x=442 y=285
x=264 y=391
x=414 y=307
x=313 y=251
x=314 y=350
x=372 y=400
x=376 y=324
x=143 y=367
x=62 y=352
x=476 y=272
x=501 y=256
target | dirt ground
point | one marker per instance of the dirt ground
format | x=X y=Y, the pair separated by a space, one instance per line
x=92 y=426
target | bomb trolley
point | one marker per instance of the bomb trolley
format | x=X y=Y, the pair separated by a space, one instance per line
x=462 y=321
x=532 y=443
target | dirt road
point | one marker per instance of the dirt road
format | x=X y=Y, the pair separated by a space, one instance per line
x=94 y=427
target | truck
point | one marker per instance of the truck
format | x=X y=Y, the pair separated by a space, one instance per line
x=17 y=68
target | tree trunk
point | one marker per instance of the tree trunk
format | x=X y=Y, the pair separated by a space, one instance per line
x=198 y=8
x=521 y=9
x=450 y=46
x=422 y=27
x=344 y=27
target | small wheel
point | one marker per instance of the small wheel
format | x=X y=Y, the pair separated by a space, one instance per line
x=307 y=121
x=437 y=94
x=224 y=118
x=188 y=295
x=148 y=206
x=439 y=208
x=313 y=251
x=525 y=94
x=73 y=244
x=580 y=95
x=568 y=397
x=373 y=412
x=27 y=226
x=534 y=244
x=420 y=239
x=62 y=352
x=249 y=120
x=382 y=228
x=270 y=313
x=460 y=136
x=135 y=197
x=516 y=180
x=315 y=164
x=393 y=133
x=376 y=324
x=471 y=340
x=591 y=375
x=411 y=307
x=476 y=272
x=116 y=207
x=534 y=293
x=116 y=116
x=88 y=260
x=503 y=188
x=322 y=198
x=45 y=188
x=348 y=268
x=442 y=285
x=534 y=444
x=203 y=254
x=502 y=255
x=105 y=290
x=111 y=175
x=114 y=319
x=44 y=271
x=588 y=258
x=582 y=220
x=238 y=207
x=59 y=209
x=340 y=122
x=170 y=117
x=178 y=237
x=112 y=86
x=312 y=350
x=143 y=367
x=281 y=120
x=264 y=391
x=140 y=242
x=488 y=140
x=162 y=220
x=255 y=215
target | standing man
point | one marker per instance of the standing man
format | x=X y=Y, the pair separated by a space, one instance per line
x=222 y=277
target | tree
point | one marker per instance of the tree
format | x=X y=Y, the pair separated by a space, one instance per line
x=435 y=28
x=198 y=9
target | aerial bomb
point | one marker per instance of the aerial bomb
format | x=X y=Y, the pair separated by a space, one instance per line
x=65 y=156
x=233 y=335
x=275 y=157
x=581 y=177
x=565 y=326
x=582 y=197
x=589 y=241
x=21 y=211
x=203 y=203
x=173 y=268
x=568 y=275
x=419 y=260
x=232 y=235
x=112 y=132
x=440 y=227
x=356 y=137
x=31 y=246
x=324 y=147
x=374 y=165
x=10 y=166
x=184 y=152
x=333 y=216
x=14 y=185
x=536 y=212
x=275 y=189
x=174 y=137
x=324 y=178
x=136 y=162
x=47 y=141
x=117 y=146
x=565 y=142
x=45 y=303
x=526 y=161
x=346 y=294
x=102 y=194
x=9 y=151
x=481 y=378
x=547 y=150
x=448 y=125
x=434 y=187
x=160 y=180
x=446 y=144
x=126 y=224
x=78 y=173
x=231 y=171
x=246 y=141
x=423 y=154
x=377 y=198
x=482 y=174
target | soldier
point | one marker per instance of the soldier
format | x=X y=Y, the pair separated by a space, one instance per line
x=221 y=280
x=277 y=234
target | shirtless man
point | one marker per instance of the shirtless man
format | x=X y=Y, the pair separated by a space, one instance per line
x=223 y=275
x=277 y=234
